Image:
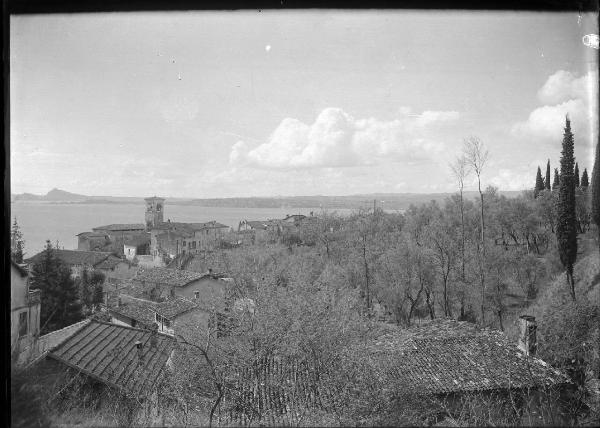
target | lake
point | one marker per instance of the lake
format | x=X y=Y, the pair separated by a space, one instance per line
x=55 y=221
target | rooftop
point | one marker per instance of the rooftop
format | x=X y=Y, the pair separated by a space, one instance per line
x=121 y=226
x=174 y=307
x=444 y=356
x=138 y=309
x=107 y=353
x=109 y=263
x=74 y=257
x=167 y=276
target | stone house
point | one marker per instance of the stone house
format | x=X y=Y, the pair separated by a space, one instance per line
x=24 y=311
x=110 y=238
x=160 y=284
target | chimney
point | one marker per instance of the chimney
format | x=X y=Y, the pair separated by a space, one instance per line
x=527 y=335
x=138 y=345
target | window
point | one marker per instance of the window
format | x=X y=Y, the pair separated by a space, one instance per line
x=23 y=324
x=164 y=321
x=196 y=294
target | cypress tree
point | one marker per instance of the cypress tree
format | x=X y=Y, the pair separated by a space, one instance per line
x=17 y=244
x=566 y=228
x=596 y=191
x=556 y=180
x=60 y=303
x=584 y=179
x=576 y=175
x=547 y=180
x=539 y=183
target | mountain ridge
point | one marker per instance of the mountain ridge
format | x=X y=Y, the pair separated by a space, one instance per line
x=388 y=201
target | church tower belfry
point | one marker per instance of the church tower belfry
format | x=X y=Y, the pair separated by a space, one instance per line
x=154 y=211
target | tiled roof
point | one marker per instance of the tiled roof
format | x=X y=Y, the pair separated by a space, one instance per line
x=74 y=257
x=121 y=226
x=109 y=263
x=138 y=309
x=167 y=276
x=174 y=307
x=107 y=352
x=444 y=356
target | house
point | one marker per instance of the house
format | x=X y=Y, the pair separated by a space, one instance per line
x=159 y=284
x=24 y=311
x=452 y=360
x=137 y=245
x=179 y=310
x=110 y=237
x=107 y=263
x=171 y=239
x=129 y=360
x=132 y=312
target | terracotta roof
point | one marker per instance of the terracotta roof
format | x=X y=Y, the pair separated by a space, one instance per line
x=167 y=276
x=174 y=307
x=137 y=309
x=107 y=352
x=121 y=226
x=444 y=356
x=74 y=257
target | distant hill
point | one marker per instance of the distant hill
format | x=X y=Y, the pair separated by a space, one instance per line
x=387 y=201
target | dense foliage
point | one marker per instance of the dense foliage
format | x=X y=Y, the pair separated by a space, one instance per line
x=60 y=298
x=566 y=232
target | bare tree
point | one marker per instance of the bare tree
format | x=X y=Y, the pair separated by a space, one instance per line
x=476 y=156
x=461 y=172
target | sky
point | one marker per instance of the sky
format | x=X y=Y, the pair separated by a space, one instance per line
x=272 y=103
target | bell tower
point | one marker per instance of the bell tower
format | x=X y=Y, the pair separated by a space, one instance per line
x=154 y=211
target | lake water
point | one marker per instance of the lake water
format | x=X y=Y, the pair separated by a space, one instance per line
x=40 y=221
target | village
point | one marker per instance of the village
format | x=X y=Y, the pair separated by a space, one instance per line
x=320 y=217
x=165 y=295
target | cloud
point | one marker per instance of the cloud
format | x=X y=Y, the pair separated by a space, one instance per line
x=337 y=139
x=563 y=93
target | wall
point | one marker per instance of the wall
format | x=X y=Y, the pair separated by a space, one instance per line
x=212 y=292
x=23 y=301
x=130 y=251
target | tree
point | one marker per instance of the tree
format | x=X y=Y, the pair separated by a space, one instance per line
x=547 y=180
x=596 y=191
x=539 y=183
x=90 y=290
x=459 y=168
x=60 y=304
x=566 y=227
x=556 y=181
x=584 y=179
x=576 y=175
x=17 y=244
x=476 y=156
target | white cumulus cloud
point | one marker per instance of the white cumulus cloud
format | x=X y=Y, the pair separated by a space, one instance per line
x=563 y=93
x=338 y=139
